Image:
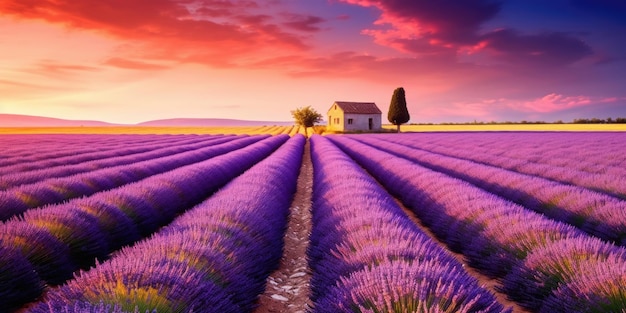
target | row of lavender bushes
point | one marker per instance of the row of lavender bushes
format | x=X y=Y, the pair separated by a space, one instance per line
x=120 y=155
x=17 y=200
x=596 y=213
x=214 y=258
x=545 y=265
x=366 y=255
x=592 y=152
x=21 y=152
x=595 y=161
x=58 y=240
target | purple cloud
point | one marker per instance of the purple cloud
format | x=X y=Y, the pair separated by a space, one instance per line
x=546 y=49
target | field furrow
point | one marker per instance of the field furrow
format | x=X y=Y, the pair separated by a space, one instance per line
x=498 y=237
x=58 y=240
x=214 y=257
x=388 y=223
x=64 y=149
x=116 y=157
x=364 y=246
x=596 y=213
x=19 y=199
x=601 y=168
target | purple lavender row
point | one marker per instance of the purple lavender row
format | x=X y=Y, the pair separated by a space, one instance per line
x=71 y=145
x=58 y=240
x=599 y=177
x=120 y=156
x=214 y=258
x=19 y=199
x=366 y=255
x=103 y=150
x=596 y=213
x=544 y=264
x=591 y=153
x=30 y=145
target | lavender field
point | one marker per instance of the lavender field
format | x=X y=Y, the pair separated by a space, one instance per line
x=413 y=222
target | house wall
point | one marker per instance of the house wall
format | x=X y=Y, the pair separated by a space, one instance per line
x=335 y=113
x=360 y=122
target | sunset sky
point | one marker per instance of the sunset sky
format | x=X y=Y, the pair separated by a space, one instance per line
x=128 y=61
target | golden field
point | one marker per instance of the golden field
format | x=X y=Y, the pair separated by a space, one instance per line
x=292 y=130
x=273 y=130
x=509 y=127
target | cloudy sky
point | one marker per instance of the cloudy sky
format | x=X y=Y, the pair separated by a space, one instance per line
x=129 y=61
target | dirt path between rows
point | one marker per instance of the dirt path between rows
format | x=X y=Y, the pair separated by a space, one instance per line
x=484 y=280
x=287 y=289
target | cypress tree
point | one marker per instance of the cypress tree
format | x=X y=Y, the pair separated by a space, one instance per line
x=398 y=113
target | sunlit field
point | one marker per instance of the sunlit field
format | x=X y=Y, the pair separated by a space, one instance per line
x=149 y=130
x=509 y=127
x=167 y=219
x=292 y=130
x=236 y=130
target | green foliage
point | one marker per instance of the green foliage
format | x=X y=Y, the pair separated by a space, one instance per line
x=398 y=113
x=306 y=116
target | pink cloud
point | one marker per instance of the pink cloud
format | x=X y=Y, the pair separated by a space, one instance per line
x=424 y=27
x=305 y=23
x=410 y=25
x=554 y=102
x=497 y=108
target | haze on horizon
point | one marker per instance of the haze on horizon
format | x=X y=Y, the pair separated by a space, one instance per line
x=458 y=60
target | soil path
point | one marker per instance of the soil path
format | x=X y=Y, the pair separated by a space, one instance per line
x=484 y=280
x=287 y=289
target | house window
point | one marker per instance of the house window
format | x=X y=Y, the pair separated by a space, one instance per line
x=330 y=120
x=350 y=121
x=337 y=120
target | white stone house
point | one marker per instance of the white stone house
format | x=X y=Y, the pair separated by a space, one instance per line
x=354 y=116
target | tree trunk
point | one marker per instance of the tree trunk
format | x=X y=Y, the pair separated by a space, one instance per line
x=398 y=129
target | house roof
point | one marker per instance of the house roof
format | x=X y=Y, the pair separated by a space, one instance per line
x=358 y=107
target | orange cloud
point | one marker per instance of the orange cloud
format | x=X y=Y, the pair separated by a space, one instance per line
x=195 y=31
x=133 y=64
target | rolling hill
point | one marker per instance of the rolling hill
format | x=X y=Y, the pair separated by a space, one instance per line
x=17 y=120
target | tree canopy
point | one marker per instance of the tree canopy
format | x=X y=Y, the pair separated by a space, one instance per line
x=398 y=113
x=306 y=116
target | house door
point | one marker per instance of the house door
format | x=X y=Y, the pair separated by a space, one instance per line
x=371 y=123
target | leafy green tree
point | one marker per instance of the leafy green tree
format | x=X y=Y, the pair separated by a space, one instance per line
x=398 y=113
x=306 y=117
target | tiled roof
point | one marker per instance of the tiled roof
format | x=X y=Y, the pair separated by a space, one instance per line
x=358 y=107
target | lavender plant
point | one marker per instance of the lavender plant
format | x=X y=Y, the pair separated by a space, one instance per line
x=367 y=256
x=211 y=259
x=78 y=233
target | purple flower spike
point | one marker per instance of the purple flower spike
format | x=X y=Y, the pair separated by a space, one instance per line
x=80 y=231
x=118 y=227
x=49 y=256
x=563 y=261
x=136 y=208
x=141 y=284
x=19 y=282
x=396 y=287
x=598 y=288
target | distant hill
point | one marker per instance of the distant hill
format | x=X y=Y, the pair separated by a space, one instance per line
x=17 y=120
x=210 y=122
